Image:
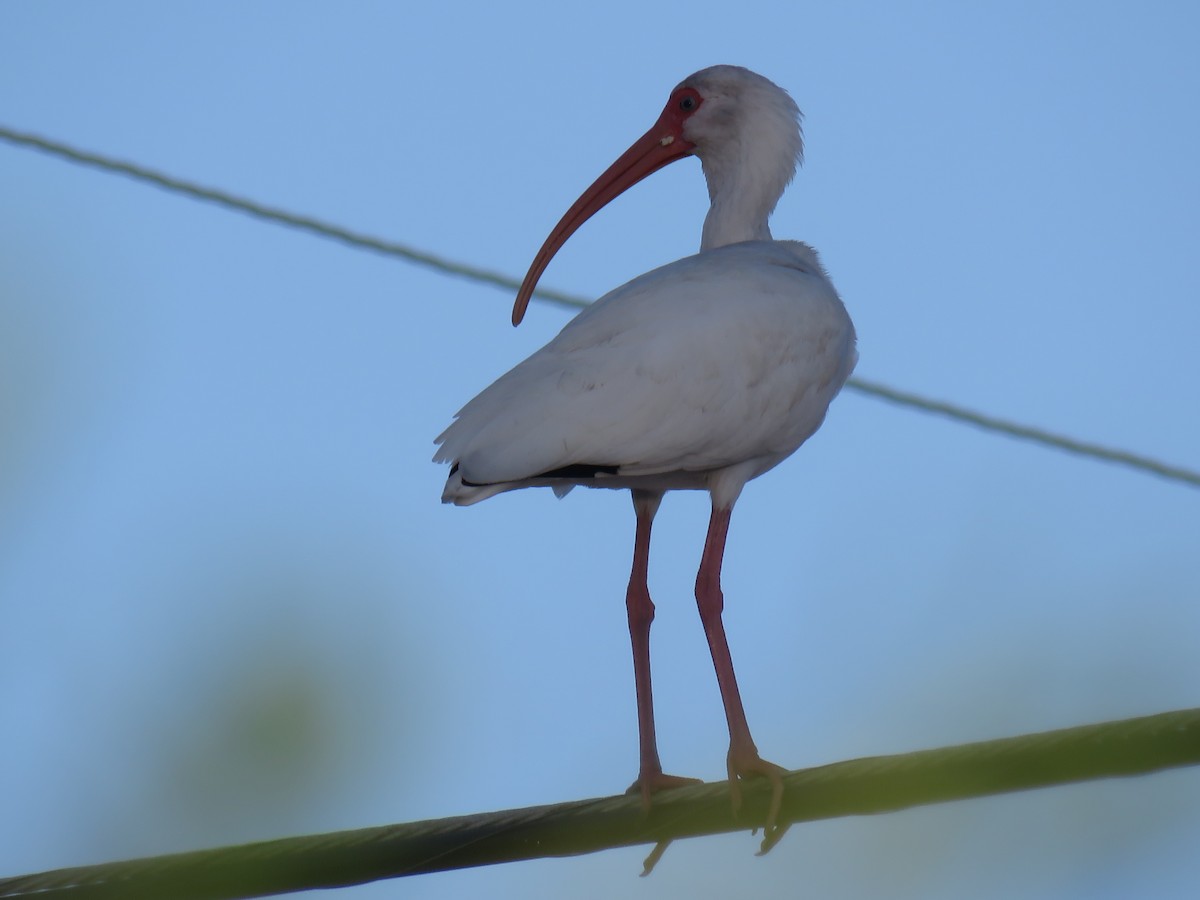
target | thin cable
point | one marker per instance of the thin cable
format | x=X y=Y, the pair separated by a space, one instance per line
x=279 y=216
x=498 y=279
x=1026 y=432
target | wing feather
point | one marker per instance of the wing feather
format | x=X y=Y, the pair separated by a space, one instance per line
x=713 y=360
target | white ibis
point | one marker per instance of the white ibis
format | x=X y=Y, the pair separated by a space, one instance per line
x=699 y=375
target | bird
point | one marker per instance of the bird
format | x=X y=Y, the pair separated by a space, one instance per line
x=699 y=375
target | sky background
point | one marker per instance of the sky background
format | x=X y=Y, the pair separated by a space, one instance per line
x=233 y=608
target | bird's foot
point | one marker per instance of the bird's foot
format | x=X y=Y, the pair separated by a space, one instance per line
x=649 y=783
x=744 y=764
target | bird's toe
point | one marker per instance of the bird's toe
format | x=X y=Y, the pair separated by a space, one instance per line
x=748 y=764
x=650 y=783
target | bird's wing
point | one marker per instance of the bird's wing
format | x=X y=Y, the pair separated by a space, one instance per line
x=718 y=358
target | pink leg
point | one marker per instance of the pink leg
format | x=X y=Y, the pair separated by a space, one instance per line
x=743 y=760
x=641 y=614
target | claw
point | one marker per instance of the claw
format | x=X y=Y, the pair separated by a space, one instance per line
x=771 y=837
x=656 y=854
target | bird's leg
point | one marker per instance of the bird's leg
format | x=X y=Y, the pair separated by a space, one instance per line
x=743 y=760
x=641 y=614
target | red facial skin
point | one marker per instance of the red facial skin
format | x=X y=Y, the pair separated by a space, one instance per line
x=661 y=145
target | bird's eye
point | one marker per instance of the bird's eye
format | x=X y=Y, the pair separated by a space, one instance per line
x=688 y=103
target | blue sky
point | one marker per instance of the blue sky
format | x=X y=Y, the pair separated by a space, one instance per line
x=234 y=609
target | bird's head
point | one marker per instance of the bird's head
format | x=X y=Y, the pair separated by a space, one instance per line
x=740 y=124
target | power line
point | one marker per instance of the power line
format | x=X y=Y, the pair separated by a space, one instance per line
x=1027 y=432
x=876 y=784
x=500 y=280
x=279 y=216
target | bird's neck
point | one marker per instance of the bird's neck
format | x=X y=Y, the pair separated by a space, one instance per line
x=743 y=197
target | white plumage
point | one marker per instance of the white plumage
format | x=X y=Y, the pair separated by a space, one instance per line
x=722 y=359
x=701 y=374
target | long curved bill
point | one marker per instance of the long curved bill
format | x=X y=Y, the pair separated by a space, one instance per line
x=661 y=145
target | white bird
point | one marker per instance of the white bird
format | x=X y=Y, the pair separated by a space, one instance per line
x=702 y=374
